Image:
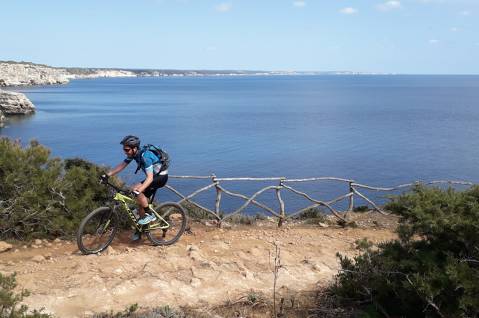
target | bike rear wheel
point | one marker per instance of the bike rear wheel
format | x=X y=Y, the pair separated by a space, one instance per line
x=97 y=230
x=160 y=233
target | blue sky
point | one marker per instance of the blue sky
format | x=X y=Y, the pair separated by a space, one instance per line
x=391 y=36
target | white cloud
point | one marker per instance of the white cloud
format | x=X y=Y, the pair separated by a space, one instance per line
x=224 y=7
x=433 y=41
x=389 y=5
x=348 y=10
x=299 y=3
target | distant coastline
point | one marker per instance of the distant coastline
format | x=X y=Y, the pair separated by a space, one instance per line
x=19 y=73
x=10 y=70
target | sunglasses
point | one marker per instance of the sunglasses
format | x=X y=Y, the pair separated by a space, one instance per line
x=127 y=149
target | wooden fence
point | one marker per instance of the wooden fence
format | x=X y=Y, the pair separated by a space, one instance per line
x=281 y=184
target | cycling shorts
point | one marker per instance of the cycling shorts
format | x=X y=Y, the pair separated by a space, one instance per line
x=159 y=181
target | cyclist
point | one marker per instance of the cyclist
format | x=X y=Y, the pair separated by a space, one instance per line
x=155 y=177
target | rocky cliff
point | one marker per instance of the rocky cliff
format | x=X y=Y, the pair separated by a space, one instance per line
x=94 y=73
x=12 y=103
x=17 y=74
x=2 y=118
x=25 y=73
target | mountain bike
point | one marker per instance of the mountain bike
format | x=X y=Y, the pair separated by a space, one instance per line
x=98 y=229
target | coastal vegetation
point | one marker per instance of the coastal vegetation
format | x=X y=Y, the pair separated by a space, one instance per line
x=41 y=196
x=431 y=270
x=11 y=301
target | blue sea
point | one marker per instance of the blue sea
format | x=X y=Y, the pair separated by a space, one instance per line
x=378 y=130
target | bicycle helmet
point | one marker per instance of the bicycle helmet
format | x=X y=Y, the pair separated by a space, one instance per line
x=131 y=141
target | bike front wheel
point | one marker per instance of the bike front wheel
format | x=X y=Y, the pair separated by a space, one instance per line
x=170 y=224
x=97 y=230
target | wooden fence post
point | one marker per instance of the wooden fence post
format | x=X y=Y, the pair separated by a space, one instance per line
x=351 y=198
x=218 y=198
x=282 y=211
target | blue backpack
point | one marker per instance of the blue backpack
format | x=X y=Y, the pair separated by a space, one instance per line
x=161 y=154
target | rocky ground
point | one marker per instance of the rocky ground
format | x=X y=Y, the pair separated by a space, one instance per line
x=207 y=267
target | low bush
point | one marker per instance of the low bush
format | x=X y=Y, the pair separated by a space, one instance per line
x=134 y=311
x=361 y=208
x=312 y=216
x=431 y=270
x=44 y=197
x=10 y=301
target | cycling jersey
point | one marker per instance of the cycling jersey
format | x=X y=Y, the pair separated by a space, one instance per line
x=151 y=163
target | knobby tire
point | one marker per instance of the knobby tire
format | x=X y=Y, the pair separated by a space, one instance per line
x=176 y=216
x=93 y=228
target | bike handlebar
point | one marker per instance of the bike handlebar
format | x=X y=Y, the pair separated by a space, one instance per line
x=120 y=190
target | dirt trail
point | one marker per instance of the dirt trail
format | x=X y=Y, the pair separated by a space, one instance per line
x=207 y=267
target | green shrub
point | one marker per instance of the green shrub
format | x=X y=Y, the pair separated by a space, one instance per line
x=361 y=208
x=432 y=270
x=313 y=216
x=134 y=311
x=42 y=196
x=10 y=301
x=196 y=213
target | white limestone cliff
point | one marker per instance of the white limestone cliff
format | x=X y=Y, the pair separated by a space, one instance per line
x=20 y=74
x=12 y=103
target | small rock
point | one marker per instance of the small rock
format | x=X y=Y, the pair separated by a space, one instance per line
x=80 y=267
x=216 y=237
x=4 y=246
x=49 y=244
x=206 y=264
x=211 y=223
x=316 y=267
x=323 y=225
x=48 y=256
x=191 y=248
x=195 y=282
x=24 y=247
x=110 y=251
x=38 y=258
x=118 y=271
x=57 y=240
x=37 y=242
x=226 y=225
x=10 y=263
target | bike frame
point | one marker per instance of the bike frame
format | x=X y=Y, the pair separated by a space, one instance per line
x=126 y=200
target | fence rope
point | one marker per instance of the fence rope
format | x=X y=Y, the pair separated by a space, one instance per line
x=218 y=184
